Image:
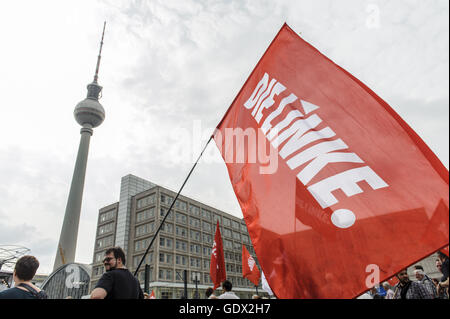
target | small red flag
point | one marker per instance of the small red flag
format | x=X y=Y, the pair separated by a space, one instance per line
x=249 y=268
x=217 y=267
x=152 y=295
x=335 y=188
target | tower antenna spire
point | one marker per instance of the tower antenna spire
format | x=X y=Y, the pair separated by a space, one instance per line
x=99 y=54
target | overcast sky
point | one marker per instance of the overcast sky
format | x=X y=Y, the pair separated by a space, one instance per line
x=170 y=69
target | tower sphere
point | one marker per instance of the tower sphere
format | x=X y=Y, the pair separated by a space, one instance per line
x=90 y=111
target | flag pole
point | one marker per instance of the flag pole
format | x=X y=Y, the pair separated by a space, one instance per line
x=170 y=208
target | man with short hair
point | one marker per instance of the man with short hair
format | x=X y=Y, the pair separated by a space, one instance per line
x=227 y=293
x=24 y=272
x=407 y=289
x=389 y=291
x=117 y=282
x=425 y=280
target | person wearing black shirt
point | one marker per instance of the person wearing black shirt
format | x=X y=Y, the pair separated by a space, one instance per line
x=24 y=271
x=117 y=282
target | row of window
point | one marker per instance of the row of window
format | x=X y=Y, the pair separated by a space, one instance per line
x=107 y=228
x=194 y=210
x=183 y=232
x=104 y=242
x=107 y=215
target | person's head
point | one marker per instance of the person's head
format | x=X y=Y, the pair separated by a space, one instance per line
x=442 y=257
x=114 y=258
x=439 y=264
x=256 y=297
x=435 y=281
x=386 y=286
x=403 y=276
x=373 y=290
x=418 y=272
x=25 y=268
x=227 y=285
x=209 y=292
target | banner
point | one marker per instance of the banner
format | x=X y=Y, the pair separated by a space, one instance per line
x=217 y=269
x=337 y=191
x=249 y=268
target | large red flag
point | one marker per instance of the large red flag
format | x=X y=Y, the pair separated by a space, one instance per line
x=217 y=267
x=249 y=268
x=352 y=194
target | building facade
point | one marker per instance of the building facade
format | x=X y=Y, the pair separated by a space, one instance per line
x=184 y=242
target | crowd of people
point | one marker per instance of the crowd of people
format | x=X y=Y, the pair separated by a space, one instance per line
x=422 y=288
x=119 y=283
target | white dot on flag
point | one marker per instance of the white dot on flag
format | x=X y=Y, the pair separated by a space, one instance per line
x=343 y=218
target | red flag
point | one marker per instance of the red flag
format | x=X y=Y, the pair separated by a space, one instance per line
x=249 y=268
x=352 y=193
x=217 y=267
x=152 y=295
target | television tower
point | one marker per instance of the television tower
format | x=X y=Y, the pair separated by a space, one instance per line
x=89 y=113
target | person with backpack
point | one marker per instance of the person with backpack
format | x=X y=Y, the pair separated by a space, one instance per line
x=24 y=272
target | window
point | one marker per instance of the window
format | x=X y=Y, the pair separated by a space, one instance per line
x=180 y=260
x=181 y=231
x=194 y=210
x=181 y=205
x=227 y=244
x=181 y=218
x=181 y=245
x=166 y=199
x=145 y=229
x=195 y=249
x=236 y=236
x=99 y=257
x=207 y=238
x=142 y=244
x=148 y=259
x=165 y=274
x=245 y=239
x=206 y=226
x=217 y=218
x=145 y=214
x=107 y=216
x=194 y=222
x=167 y=228
x=243 y=228
x=163 y=211
x=165 y=242
x=226 y=222
x=147 y=200
x=104 y=242
x=106 y=229
x=195 y=262
x=227 y=232
x=195 y=235
x=235 y=224
x=165 y=258
x=206 y=214
x=206 y=251
x=206 y=263
x=237 y=246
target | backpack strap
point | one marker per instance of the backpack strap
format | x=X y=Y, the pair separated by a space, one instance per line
x=38 y=294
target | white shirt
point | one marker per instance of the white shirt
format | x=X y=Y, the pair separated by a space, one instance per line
x=228 y=295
